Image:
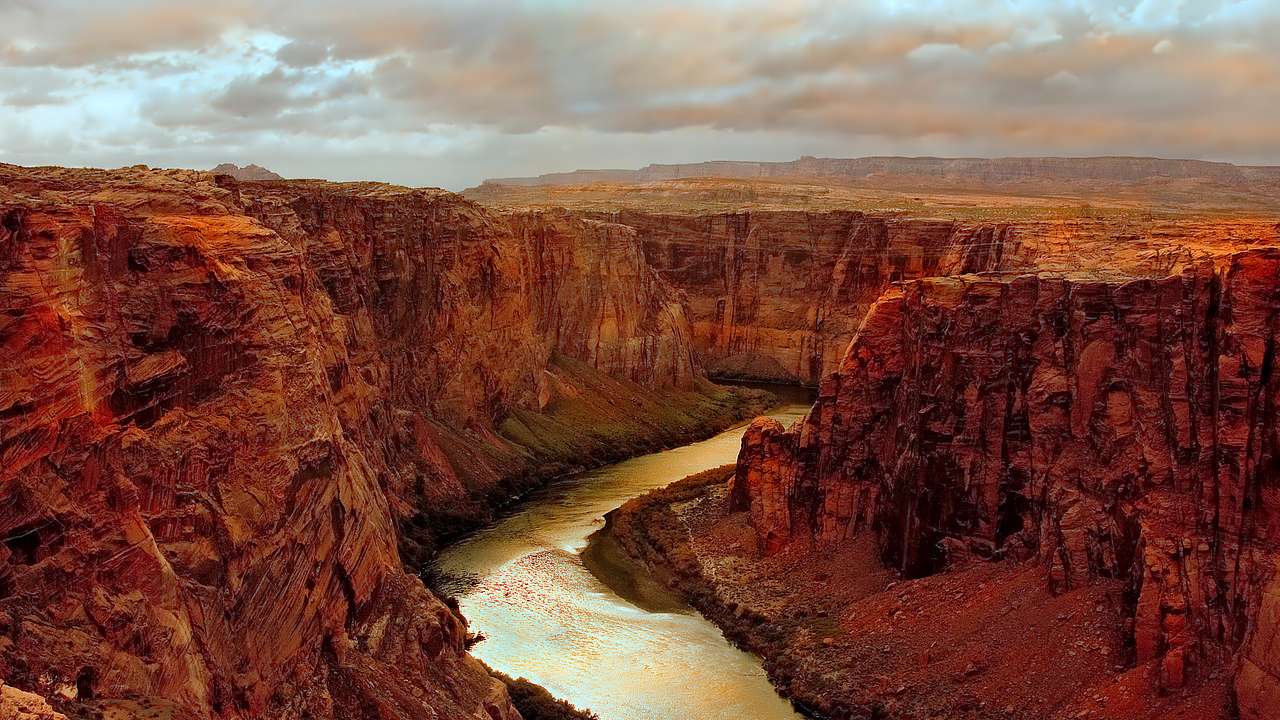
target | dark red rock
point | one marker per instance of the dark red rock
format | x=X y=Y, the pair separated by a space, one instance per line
x=1103 y=428
x=217 y=402
x=777 y=295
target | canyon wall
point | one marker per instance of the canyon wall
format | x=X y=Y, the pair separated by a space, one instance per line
x=600 y=300
x=1103 y=428
x=778 y=295
x=230 y=413
x=218 y=402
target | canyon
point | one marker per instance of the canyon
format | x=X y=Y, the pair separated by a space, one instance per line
x=1102 y=433
x=237 y=417
x=232 y=414
x=778 y=273
x=776 y=295
x=1094 y=430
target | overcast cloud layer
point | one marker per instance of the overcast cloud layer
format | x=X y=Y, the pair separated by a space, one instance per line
x=447 y=93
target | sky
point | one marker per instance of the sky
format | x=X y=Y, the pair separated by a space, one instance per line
x=446 y=93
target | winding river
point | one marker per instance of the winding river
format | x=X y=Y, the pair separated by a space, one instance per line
x=522 y=583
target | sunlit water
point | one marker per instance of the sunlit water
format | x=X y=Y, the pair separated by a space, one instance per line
x=523 y=585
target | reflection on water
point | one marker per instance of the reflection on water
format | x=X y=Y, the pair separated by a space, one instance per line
x=522 y=583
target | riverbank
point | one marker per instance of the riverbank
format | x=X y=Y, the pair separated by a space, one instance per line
x=596 y=421
x=537 y=703
x=589 y=420
x=522 y=583
x=843 y=637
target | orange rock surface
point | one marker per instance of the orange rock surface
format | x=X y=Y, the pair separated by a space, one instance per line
x=219 y=400
x=779 y=272
x=230 y=412
x=16 y=704
x=778 y=294
x=1098 y=428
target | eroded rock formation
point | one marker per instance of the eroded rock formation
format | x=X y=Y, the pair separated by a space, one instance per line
x=219 y=400
x=1103 y=428
x=248 y=172
x=778 y=295
x=17 y=704
x=230 y=411
x=601 y=301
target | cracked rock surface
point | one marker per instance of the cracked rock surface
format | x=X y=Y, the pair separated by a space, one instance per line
x=220 y=401
x=1098 y=429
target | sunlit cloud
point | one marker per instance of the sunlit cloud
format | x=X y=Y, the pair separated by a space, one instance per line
x=446 y=93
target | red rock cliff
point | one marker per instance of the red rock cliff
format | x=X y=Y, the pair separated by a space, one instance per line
x=217 y=401
x=599 y=299
x=777 y=295
x=1121 y=429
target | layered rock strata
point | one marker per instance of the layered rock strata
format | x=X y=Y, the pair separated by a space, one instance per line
x=778 y=295
x=219 y=400
x=845 y=637
x=1103 y=429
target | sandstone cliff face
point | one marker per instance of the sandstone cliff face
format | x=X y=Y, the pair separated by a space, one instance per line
x=778 y=295
x=1121 y=429
x=598 y=299
x=218 y=401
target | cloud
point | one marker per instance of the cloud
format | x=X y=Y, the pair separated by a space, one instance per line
x=442 y=82
x=1064 y=81
x=302 y=53
x=262 y=95
x=32 y=97
x=65 y=33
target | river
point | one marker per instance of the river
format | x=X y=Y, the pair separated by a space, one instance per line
x=522 y=583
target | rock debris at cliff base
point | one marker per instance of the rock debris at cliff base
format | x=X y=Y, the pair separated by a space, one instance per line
x=846 y=637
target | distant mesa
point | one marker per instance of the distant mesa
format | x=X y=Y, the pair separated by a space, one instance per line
x=996 y=171
x=248 y=172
